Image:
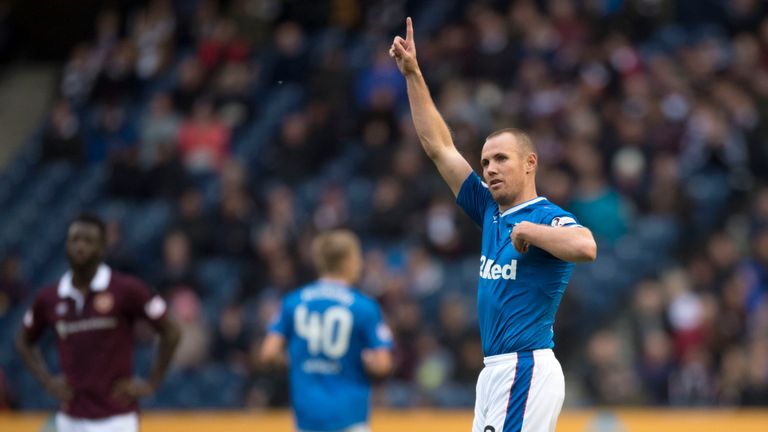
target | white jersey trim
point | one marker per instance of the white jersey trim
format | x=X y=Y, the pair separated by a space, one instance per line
x=99 y=283
x=522 y=206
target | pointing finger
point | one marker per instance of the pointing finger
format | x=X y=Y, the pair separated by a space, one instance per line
x=409 y=29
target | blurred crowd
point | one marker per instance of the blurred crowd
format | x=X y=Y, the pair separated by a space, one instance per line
x=649 y=110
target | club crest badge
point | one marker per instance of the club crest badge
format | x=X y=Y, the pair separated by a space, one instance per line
x=62 y=308
x=103 y=303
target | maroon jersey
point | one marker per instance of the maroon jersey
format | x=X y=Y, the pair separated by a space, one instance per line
x=95 y=336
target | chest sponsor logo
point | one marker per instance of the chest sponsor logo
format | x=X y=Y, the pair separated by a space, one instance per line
x=65 y=328
x=103 y=303
x=492 y=271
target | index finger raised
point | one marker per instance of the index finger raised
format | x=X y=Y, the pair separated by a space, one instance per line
x=408 y=29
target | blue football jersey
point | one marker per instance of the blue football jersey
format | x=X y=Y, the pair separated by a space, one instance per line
x=518 y=294
x=327 y=325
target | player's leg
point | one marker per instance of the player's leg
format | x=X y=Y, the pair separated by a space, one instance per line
x=547 y=393
x=358 y=428
x=65 y=423
x=512 y=401
x=478 y=423
x=119 y=423
x=500 y=382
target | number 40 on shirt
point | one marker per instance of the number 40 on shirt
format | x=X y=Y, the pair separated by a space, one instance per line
x=326 y=332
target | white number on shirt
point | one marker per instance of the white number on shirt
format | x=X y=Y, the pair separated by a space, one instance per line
x=327 y=332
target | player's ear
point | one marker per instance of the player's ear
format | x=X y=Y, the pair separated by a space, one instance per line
x=531 y=161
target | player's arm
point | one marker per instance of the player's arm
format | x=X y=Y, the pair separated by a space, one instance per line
x=143 y=303
x=135 y=388
x=378 y=362
x=377 y=356
x=272 y=352
x=170 y=335
x=33 y=360
x=569 y=243
x=432 y=130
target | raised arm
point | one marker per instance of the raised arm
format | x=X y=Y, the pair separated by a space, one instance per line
x=433 y=133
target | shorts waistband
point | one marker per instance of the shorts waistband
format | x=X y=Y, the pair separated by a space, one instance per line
x=512 y=357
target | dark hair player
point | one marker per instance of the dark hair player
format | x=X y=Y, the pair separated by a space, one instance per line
x=92 y=309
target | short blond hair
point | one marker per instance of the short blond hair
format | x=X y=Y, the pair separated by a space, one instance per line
x=331 y=250
x=523 y=140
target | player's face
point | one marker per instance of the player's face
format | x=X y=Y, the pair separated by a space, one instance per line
x=504 y=168
x=85 y=245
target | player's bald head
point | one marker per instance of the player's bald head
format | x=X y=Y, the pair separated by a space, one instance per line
x=521 y=140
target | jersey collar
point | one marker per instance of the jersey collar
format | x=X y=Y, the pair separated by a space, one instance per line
x=100 y=282
x=522 y=206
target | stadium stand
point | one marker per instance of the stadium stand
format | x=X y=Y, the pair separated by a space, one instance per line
x=217 y=137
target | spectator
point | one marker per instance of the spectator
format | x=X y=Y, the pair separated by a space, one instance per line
x=389 y=210
x=153 y=34
x=114 y=136
x=231 y=341
x=224 y=45
x=178 y=266
x=192 y=350
x=382 y=77
x=608 y=378
x=594 y=202
x=233 y=85
x=377 y=136
x=126 y=179
x=62 y=139
x=79 y=75
x=190 y=86
x=332 y=210
x=167 y=178
x=193 y=222
x=204 y=139
x=13 y=287
x=159 y=127
x=119 y=254
x=233 y=225
x=291 y=62
x=117 y=81
x=295 y=143
x=107 y=34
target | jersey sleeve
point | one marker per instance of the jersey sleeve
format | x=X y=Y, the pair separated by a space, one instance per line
x=35 y=320
x=474 y=198
x=558 y=217
x=142 y=302
x=282 y=323
x=377 y=332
